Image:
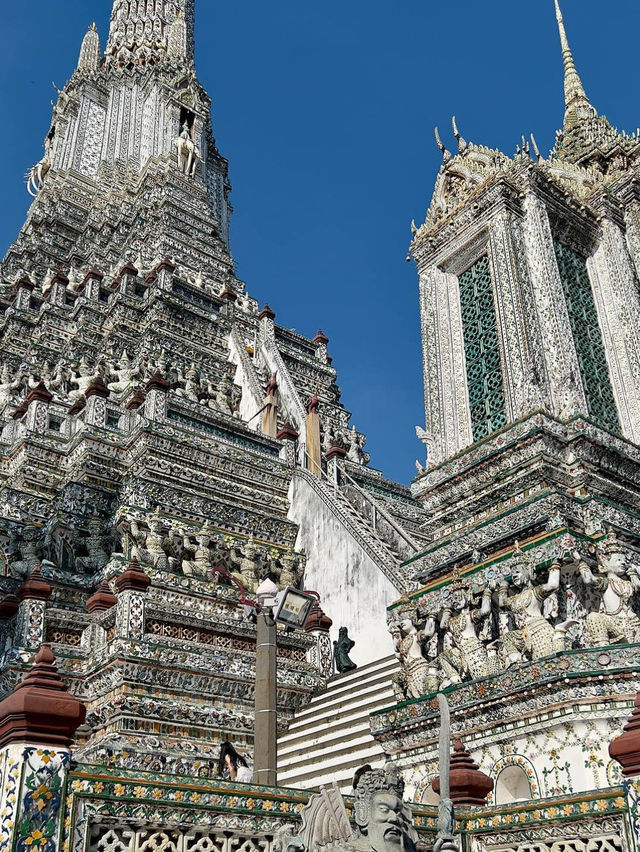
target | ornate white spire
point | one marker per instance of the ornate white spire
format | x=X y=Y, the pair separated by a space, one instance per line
x=576 y=100
x=143 y=32
x=90 y=51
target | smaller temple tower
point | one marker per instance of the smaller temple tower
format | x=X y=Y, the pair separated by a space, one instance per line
x=530 y=309
x=528 y=281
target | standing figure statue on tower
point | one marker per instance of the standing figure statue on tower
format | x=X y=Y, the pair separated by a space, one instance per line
x=535 y=636
x=188 y=152
x=341 y=648
x=617 y=580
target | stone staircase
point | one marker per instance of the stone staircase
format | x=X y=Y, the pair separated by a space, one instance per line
x=330 y=738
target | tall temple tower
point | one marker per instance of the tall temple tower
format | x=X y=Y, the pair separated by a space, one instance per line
x=107 y=189
x=165 y=445
x=528 y=615
x=529 y=294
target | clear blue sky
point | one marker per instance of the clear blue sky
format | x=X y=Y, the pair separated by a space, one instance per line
x=326 y=113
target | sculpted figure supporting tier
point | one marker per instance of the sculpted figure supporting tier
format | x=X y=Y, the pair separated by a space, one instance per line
x=84 y=376
x=535 y=637
x=122 y=374
x=469 y=656
x=291 y=568
x=617 y=579
x=418 y=676
x=246 y=562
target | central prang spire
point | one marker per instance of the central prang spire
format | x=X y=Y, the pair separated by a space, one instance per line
x=149 y=31
x=576 y=100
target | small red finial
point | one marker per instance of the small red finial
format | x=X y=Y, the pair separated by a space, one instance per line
x=266 y=313
x=133 y=578
x=40 y=710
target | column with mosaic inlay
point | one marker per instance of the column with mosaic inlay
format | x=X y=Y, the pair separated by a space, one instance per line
x=523 y=375
x=32 y=595
x=617 y=299
x=132 y=587
x=38 y=721
x=448 y=423
x=560 y=357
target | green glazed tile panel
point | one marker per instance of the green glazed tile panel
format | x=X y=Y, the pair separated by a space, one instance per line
x=583 y=316
x=482 y=350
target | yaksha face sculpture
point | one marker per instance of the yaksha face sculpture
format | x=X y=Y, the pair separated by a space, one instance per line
x=380 y=813
x=613 y=562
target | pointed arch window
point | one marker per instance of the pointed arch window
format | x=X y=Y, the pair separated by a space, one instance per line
x=482 y=350
x=583 y=316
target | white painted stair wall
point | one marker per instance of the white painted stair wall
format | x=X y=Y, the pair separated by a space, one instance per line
x=330 y=737
x=346 y=565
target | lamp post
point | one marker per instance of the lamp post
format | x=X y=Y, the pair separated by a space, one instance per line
x=265 y=759
x=290 y=607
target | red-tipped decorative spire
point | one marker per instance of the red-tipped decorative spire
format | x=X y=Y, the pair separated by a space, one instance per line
x=40 y=393
x=102 y=599
x=40 y=710
x=626 y=748
x=266 y=313
x=9 y=606
x=35 y=587
x=318 y=619
x=288 y=433
x=157 y=382
x=469 y=786
x=97 y=388
x=133 y=578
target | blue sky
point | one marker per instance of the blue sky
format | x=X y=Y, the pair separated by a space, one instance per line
x=326 y=113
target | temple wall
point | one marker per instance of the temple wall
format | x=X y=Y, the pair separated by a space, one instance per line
x=353 y=590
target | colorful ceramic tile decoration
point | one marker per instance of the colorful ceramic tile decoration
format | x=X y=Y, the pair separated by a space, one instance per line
x=467 y=675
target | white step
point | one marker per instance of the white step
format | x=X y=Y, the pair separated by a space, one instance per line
x=351 y=682
x=339 y=746
x=331 y=737
x=316 y=730
x=323 y=736
x=382 y=663
x=355 y=698
x=339 y=770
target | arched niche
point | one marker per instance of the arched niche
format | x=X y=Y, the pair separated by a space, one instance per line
x=429 y=797
x=512 y=785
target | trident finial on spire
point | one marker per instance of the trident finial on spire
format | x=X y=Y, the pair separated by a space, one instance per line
x=575 y=98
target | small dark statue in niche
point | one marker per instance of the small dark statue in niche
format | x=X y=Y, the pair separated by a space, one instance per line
x=341 y=650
